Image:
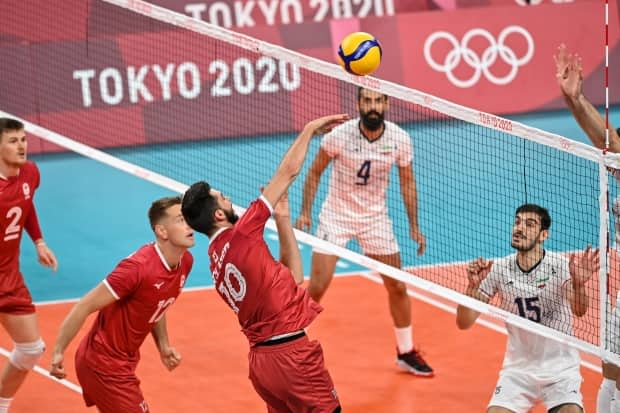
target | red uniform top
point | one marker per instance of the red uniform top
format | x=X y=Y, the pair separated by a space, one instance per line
x=144 y=287
x=16 y=213
x=258 y=288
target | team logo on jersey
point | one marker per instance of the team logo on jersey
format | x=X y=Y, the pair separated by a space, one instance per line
x=542 y=282
x=158 y=285
x=388 y=148
x=26 y=189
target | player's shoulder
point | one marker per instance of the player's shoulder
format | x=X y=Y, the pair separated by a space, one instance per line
x=348 y=128
x=505 y=265
x=396 y=132
x=142 y=255
x=29 y=168
x=554 y=259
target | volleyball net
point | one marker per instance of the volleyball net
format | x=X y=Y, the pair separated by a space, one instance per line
x=174 y=100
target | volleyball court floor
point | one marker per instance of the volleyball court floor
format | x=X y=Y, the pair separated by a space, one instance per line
x=357 y=337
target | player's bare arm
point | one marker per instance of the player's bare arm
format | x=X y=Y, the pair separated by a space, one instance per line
x=410 y=198
x=95 y=300
x=170 y=357
x=582 y=268
x=45 y=255
x=477 y=271
x=569 y=73
x=320 y=163
x=293 y=160
x=289 y=250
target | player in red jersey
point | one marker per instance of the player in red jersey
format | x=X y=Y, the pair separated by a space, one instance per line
x=131 y=302
x=286 y=368
x=19 y=180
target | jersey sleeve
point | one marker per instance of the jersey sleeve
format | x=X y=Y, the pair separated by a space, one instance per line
x=405 y=151
x=490 y=284
x=332 y=143
x=124 y=279
x=32 y=221
x=252 y=222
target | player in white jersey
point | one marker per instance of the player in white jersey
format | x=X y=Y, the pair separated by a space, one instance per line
x=543 y=287
x=363 y=151
x=570 y=78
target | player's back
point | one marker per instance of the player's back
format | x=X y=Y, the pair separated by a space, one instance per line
x=260 y=290
x=16 y=195
x=144 y=287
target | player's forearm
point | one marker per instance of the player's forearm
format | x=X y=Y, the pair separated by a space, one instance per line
x=579 y=300
x=465 y=317
x=70 y=327
x=590 y=120
x=410 y=198
x=160 y=334
x=289 y=251
x=310 y=187
x=32 y=226
x=294 y=158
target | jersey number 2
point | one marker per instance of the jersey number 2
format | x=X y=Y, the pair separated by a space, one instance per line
x=364 y=173
x=528 y=308
x=227 y=289
x=12 y=230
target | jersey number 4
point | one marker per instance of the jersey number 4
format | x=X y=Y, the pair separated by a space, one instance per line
x=233 y=294
x=363 y=173
x=528 y=308
x=12 y=230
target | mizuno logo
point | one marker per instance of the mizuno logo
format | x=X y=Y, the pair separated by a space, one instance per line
x=158 y=285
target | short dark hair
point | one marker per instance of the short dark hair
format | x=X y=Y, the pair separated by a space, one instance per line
x=545 y=218
x=9 y=124
x=359 y=93
x=198 y=208
x=158 y=209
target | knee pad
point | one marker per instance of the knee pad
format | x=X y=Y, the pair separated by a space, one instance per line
x=25 y=355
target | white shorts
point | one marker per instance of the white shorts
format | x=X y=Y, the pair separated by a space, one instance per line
x=520 y=391
x=612 y=341
x=375 y=236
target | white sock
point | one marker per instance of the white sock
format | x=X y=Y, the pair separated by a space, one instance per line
x=404 y=339
x=605 y=394
x=4 y=404
x=615 y=404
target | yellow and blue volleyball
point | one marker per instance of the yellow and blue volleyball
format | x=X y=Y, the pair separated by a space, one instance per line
x=359 y=53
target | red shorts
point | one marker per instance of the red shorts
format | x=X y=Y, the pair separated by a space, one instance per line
x=14 y=295
x=291 y=377
x=111 y=393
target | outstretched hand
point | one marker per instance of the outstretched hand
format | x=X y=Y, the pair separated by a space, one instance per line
x=477 y=271
x=327 y=123
x=569 y=72
x=583 y=266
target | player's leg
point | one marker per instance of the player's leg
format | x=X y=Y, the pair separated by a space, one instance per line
x=566 y=408
x=28 y=348
x=321 y=274
x=497 y=409
x=608 y=387
x=324 y=263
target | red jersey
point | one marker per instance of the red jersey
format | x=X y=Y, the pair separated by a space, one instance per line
x=16 y=213
x=144 y=287
x=258 y=288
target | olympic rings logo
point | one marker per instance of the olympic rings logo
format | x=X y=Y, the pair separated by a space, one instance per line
x=480 y=64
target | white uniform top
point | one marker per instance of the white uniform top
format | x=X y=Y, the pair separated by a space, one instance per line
x=361 y=169
x=537 y=296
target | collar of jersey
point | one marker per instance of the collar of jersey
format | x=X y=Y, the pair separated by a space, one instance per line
x=218 y=232
x=531 y=270
x=161 y=257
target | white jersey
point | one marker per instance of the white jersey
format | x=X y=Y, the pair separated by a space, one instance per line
x=538 y=296
x=361 y=169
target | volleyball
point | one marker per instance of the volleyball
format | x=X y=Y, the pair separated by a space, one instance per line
x=359 y=53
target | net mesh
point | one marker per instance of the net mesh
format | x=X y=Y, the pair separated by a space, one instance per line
x=187 y=105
